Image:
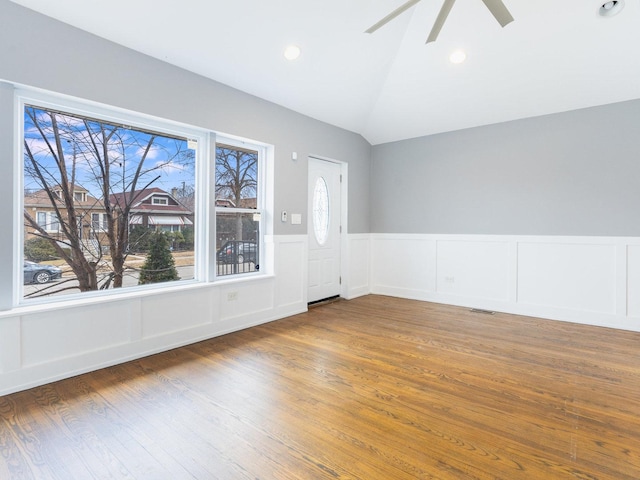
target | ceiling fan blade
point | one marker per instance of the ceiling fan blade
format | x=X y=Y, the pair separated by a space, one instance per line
x=442 y=16
x=499 y=11
x=391 y=16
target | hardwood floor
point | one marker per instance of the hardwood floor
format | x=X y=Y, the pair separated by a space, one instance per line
x=373 y=388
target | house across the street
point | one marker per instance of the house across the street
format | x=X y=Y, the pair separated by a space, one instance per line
x=155 y=208
x=151 y=208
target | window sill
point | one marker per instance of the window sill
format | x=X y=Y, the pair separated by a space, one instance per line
x=242 y=278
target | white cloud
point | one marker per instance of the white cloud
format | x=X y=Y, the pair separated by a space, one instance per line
x=170 y=167
x=154 y=152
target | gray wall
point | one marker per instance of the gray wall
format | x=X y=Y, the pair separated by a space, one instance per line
x=574 y=173
x=41 y=52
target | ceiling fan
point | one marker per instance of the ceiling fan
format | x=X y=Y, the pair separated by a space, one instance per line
x=496 y=7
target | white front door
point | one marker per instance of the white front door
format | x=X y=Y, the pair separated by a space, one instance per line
x=324 y=229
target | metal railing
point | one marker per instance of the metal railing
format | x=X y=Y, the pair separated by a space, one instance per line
x=237 y=256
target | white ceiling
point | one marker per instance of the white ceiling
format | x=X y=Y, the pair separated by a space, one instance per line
x=556 y=56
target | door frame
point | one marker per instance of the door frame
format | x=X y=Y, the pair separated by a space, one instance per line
x=344 y=217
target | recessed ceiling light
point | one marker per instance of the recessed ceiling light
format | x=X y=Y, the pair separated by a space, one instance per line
x=292 y=52
x=611 y=8
x=457 y=57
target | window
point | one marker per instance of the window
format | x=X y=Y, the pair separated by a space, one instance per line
x=99 y=222
x=81 y=170
x=238 y=209
x=54 y=224
x=42 y=220
x=48 y=221
x=103 y=191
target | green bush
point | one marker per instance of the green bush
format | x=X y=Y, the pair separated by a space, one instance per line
x=159 y=265
x=139 y=238
x=188 y=235
x=39 y=249
x=176 y=240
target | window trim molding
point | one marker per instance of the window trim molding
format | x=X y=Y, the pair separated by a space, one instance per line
x=13 y=95
x=24 y=95
x=264 y=204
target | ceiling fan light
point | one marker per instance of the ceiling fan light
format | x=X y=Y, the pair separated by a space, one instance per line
x=458 y=57
x=611 y=8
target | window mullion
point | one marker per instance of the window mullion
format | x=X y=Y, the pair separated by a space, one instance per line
x=208 y=196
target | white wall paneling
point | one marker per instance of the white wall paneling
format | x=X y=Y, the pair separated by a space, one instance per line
x=403 y=265
x=48 y=336
x=292 y=271
x=357 y=268
x=40 y=344
x=591 y=280
x=9 y=344
x=568 y=276
x=489 y=277
x=174 y=311
x=632 y=293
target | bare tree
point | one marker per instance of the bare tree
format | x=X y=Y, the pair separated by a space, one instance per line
x=63 y=150
x=236 y=172
x=185 y=194
x=236 y=179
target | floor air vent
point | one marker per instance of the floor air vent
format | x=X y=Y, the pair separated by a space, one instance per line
x=479 y=310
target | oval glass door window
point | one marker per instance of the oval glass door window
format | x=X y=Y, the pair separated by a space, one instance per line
x=321 y=211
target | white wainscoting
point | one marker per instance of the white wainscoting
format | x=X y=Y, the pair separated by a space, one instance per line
x=356 y=265
x=590 y=280
x=39 y=345
x=633 y=280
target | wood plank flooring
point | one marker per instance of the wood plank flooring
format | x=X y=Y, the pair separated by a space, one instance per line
x=372 y=388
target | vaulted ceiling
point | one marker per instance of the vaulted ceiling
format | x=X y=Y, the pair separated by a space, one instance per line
x=555 y=56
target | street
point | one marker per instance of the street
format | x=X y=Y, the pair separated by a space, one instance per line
x=67 y=283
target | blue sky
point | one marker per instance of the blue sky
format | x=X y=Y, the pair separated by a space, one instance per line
x=168 y=162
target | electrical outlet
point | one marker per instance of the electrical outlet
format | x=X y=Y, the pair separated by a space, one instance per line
x=232 y=296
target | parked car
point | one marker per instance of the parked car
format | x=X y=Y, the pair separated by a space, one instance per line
x=238 y=251
x=40 y=273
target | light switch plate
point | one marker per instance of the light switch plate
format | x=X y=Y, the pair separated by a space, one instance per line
x=296 y=218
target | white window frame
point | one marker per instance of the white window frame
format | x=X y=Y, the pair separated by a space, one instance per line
x=11 y=295
x=101 y=224
x=264 y=192
x=54 y=221
x=40 y=216
x=50 y=219
x=26 y=96
x=159 y=201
